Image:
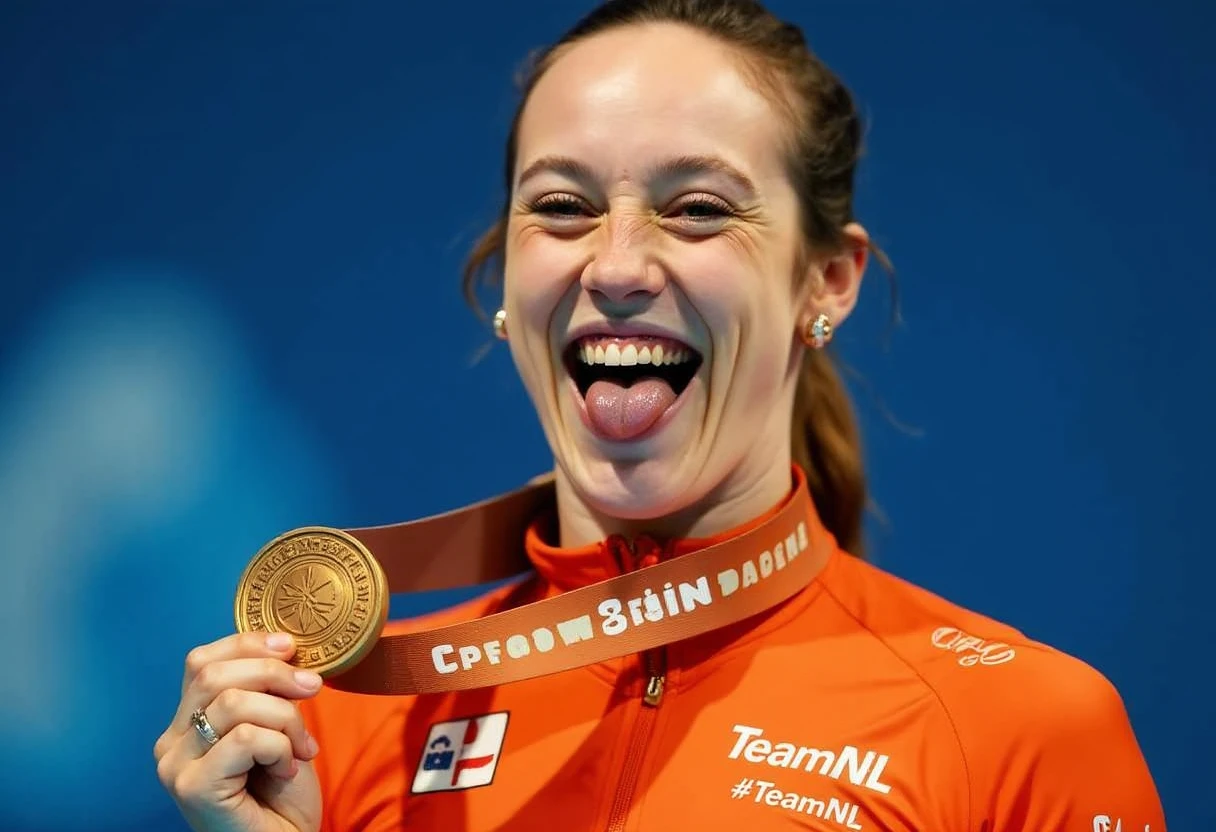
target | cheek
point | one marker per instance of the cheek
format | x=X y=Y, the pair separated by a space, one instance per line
x=750 y=316
x=738 y=304
x=537 y=277
x=538 y=273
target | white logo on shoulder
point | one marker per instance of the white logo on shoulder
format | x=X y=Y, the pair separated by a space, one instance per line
x=971 y=649
x=461 y=754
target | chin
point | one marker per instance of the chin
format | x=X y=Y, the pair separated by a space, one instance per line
x=658 y=482
x=634 y=491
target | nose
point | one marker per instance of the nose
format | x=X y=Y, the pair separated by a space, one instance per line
x=622 y=270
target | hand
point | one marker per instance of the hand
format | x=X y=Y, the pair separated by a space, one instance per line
x=259 y=776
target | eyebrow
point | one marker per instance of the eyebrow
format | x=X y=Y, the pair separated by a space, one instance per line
x=562 y=165
x=679 y=167
x=685 y=166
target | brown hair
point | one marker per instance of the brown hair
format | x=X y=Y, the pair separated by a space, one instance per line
x=826 y=144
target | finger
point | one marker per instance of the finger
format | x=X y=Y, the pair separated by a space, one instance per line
x=209 y=778
x=261 y=675
x=237 y=646
x=234 y=706
x=246 y=746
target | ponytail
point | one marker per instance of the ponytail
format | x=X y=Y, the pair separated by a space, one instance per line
x=826 y=444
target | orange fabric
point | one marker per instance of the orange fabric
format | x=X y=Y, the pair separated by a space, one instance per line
x=862 y=703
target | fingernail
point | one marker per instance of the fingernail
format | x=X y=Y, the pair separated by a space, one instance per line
x=292 y=770
x=307 y=680
x=278 y=641
x=312 y=747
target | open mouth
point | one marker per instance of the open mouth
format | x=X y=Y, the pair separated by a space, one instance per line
x=627 y=361
x=627 y=384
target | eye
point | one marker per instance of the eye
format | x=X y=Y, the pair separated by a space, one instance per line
x=700 y=213
x=561 y=206
x=704 y=207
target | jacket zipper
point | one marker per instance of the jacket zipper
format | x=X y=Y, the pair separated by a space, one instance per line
x=654 y=663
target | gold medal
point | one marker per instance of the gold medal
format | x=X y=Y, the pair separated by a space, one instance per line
x=324 y=587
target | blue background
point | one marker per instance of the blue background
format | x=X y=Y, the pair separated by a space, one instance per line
x=230 y=236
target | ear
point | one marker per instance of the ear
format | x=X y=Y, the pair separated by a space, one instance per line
x=835 y=281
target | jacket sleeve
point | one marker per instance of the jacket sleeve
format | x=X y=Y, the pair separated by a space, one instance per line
x=1064 y=757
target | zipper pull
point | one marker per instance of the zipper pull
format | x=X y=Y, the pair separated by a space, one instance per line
x=654 y=691
x=656 y=668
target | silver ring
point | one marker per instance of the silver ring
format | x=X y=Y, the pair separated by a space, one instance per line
x=203 y=726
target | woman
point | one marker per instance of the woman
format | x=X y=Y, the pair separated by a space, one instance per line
x=677 y=245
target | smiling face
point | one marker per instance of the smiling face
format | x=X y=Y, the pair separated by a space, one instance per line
x=651 y=281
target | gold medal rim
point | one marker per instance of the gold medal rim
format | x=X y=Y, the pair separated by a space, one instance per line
x=354 y=654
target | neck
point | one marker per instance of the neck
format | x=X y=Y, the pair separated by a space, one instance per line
x=745 y=494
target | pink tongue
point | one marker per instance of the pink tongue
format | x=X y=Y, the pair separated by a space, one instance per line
x=622 y=413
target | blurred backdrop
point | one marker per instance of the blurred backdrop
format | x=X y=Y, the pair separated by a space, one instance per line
x=230 y=238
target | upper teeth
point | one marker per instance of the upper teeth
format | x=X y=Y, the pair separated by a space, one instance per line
x=614 y=355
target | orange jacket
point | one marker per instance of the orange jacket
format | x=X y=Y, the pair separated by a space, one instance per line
x=863 y=703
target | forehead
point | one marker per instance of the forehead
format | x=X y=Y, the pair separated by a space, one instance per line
x=641 y=93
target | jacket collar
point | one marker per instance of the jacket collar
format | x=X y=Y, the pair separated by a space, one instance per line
x=566 y=568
